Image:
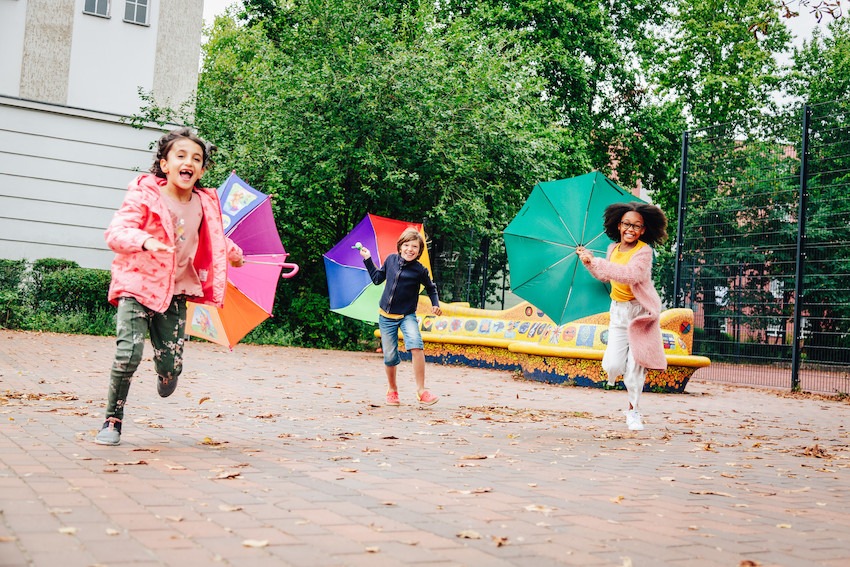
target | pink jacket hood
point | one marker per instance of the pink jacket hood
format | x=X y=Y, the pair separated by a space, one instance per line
x=645 y=339
x=149 y=276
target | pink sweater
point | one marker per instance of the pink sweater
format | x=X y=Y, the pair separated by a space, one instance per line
x=645 y=331
x=149 y=276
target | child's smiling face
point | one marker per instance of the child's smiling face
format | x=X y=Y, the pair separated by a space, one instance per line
x=410 y=250
x=184 y=164
x=631 y=227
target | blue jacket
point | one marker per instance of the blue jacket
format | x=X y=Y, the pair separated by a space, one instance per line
x=401 y=294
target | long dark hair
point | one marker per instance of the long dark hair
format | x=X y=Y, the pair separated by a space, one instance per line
x=654 y=221
x=168 y=140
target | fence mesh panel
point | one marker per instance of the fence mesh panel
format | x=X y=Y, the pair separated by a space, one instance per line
x=738 y=250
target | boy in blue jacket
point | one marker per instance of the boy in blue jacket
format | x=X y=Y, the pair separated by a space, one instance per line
x=397 y=310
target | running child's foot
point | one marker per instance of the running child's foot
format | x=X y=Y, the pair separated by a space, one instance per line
x=111 y=432
x=166 y=386
x=633 y=420
x=426 y=398
x=392 y=398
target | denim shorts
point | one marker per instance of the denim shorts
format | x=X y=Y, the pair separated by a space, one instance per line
x=389 y=336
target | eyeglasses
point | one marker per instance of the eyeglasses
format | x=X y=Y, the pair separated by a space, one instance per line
x=628 y=225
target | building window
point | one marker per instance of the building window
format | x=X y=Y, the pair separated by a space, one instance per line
x=136 y=12
x=97 y=8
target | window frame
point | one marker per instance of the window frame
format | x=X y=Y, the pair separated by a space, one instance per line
x=107 y=12
x=136 y=4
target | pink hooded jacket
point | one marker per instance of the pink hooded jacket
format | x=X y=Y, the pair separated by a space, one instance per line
x=149 y=276
x=645 y=331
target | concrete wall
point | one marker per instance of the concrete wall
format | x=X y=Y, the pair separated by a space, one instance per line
x=50 y=51
x=63 y=173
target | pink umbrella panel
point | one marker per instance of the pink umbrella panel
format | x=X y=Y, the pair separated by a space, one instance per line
x=248 y=220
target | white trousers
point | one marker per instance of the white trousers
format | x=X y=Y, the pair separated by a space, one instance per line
x=618 y=360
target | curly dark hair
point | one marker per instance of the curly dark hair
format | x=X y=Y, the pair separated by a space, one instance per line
x=654 y=221
x=168 y=140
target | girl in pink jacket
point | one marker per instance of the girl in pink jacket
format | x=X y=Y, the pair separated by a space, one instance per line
x=634 y=333
x=169 y=246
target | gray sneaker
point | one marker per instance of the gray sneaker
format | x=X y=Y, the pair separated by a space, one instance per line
x=111 y=432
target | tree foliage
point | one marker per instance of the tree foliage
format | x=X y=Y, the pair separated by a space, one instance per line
x=448 y=113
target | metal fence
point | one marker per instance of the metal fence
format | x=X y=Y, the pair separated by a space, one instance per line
x=763 y=249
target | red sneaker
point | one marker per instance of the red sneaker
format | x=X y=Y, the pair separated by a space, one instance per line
x=426 y=398
x=392 y=398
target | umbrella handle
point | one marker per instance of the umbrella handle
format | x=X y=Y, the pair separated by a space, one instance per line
x=293 y=267
x=293 y=270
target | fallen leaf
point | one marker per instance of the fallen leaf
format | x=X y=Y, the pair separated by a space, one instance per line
x=538 y=508
x=228 y=508
x=373 y=549
x=500 y=540
x=204 y=399
x=816 y=451
x=617 y=499
x=6 y=539
x=349 y=470
x=176 y=467
x=112 y=531
x=68 y=530
x=174 y=518
x=748 y=563
x=469 y=534
x=474 y=457
x=255 y=543
x=711 y=493
x=784 y=526
x=227 y=476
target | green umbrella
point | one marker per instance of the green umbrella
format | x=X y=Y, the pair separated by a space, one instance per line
x=541 y=243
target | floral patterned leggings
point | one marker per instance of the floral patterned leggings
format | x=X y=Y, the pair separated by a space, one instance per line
x=133 y=322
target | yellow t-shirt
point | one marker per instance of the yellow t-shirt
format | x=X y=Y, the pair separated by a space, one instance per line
x=392 y=316
x=621 y=291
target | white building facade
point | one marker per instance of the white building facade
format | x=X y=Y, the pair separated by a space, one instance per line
x=70 y=74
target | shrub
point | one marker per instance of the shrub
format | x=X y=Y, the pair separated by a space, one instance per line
x=12 y=274
x=11 y=309
x=318 y=327
x=73 y=289
x=40 y=269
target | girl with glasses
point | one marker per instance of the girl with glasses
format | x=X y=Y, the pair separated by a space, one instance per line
x=634 y=332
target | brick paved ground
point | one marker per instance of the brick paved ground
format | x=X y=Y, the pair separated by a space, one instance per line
x=274 y=456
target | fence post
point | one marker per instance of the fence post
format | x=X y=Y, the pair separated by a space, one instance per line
x=680 y=225
x=799 y=287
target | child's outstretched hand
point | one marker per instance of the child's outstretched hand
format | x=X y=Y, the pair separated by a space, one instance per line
x=585 y=255
x=154 y=245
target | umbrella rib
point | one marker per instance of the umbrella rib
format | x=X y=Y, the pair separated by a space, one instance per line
x=560 y=219
x=569 y=292
x=544 y=270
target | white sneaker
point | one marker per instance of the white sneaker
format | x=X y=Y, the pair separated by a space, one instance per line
x=633 y=420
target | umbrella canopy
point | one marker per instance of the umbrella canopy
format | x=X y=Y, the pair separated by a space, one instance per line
x=541 y=242
x=350 y=288
x=249 y=296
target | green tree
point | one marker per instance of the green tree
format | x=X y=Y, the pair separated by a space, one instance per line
x=342 y=108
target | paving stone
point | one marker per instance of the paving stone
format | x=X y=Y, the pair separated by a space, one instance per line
x=287 y=457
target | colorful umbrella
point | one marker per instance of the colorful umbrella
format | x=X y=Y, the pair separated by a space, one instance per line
x=350 y=288
x=249 y=296
x=541 y=242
